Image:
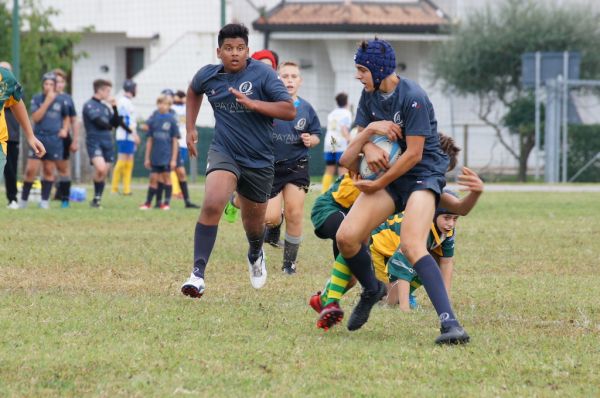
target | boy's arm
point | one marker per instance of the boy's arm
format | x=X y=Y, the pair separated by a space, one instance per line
x=75 y=129
x=192 y=108
x=471 y=182
x=284 y=110
x=446 y=268
x=147 y=154
x=41 y=111
x=20 y=113
x=174 y=153
x=66 y=125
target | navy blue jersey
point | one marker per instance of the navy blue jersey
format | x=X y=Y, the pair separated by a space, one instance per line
x=410 y=108
x=162 y=128
x=240 y=133
x=96 y=118
x=52 y=121
x=68 y=100
x=286 y=134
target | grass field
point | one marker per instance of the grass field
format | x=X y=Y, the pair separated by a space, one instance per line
x=90 y=306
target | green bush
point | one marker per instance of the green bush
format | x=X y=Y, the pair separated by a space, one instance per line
x=584 y=144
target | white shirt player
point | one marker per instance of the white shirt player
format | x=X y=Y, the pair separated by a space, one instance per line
x=180 y=116
x=334 y=139
x=127 y=111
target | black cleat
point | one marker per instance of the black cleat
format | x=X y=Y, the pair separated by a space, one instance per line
x=95 y=204
x=289 y=269
x=452 y=335
x=272 y=235
x=190 y=205
x=360 y=314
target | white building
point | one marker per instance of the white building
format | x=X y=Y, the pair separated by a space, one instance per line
x=162 y=44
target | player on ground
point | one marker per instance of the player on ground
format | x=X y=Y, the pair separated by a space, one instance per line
x=161 y=151
x=246 y=95
x=99 y=122
x=127 y=139
x=336 y=139
x=10 y=98
x=179 y=109
x=50 y=114
x=414 y=183
x=292 y=139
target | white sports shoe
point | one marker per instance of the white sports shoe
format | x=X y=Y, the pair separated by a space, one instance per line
x=193 y=287
x=258 y=272
x=44 y=204
x=22 y=204
x=13 y=205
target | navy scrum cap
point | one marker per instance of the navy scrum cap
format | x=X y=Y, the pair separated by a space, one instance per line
x=129 y=86
x=49 y=76
x=441 y=210
x=379 y=57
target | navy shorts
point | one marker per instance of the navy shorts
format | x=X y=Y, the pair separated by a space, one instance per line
x=54 y=147
x=295 y=173
x=100 y=147
x=332 y=158
x=401 y=188
x=182 y=157
x=67 y=147
x=160 y=168
x=253 y=184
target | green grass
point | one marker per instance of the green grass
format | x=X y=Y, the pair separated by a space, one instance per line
x=90 y=306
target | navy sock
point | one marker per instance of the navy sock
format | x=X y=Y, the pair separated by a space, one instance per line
x=98 y=190
x=255 y=244
x=46 y=189
x=159 y=193
x=204 y=240
x=65 y=190
x=168 y=193
x=26 y=189
x=362 y=268
x=150 y=195
x=431 y=277
x=184 y=191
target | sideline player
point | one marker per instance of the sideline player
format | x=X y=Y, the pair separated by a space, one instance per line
x=127 y=139
x=182 y=156
x=336 y=139
x=246 y=95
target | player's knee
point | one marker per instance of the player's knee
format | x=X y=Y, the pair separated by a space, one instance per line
x=346 y=242
x=412 y=249
x=294 y=215
x=211 y=208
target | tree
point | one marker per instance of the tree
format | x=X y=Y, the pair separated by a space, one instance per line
x=43 y=48
x=484 y=57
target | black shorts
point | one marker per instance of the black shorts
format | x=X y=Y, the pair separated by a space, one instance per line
x=295 y=173
x=253 y=184
x=67 y=147
x=401 y=188
x=53 y=145
x=160 y=168
x=100 y=146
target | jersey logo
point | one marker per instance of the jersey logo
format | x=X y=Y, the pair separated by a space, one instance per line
x=56 y=106
x=3 y=89
x=246 y=88
x=301 y=124
x=166 y=126
x=415 y=105
x=398 y=119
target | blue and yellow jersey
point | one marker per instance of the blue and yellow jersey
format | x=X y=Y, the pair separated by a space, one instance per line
x=340 y=197
x=386 y=238
x=10 y=94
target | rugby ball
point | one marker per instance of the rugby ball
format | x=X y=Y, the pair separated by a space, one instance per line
x=393 y=150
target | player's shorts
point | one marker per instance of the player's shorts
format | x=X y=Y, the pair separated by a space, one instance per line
x=67 y=147
x=125 y=147
x=399 y=268
x=295 y=173
x=401 y=188
x=323 y=208
x=332 y=158
x=253 y=184
x=379 y=265
x=54 y=147
x=100 y=146
x=182 y=157
x=160 y=168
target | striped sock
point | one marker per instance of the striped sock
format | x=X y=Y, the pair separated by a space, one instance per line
x=340 y=278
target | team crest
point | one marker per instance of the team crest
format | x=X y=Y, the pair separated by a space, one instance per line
x=56 y=107
x=3 y=89
x=246 y=88
x=301 y=124
x=398 y=119
x=166 y=126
